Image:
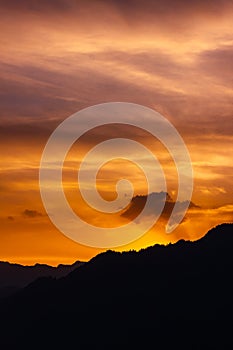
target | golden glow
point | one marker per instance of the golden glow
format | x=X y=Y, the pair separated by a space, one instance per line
x=53 y=64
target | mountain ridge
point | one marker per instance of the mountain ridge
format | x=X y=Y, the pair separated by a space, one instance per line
x=118 y=297
x=14 y=276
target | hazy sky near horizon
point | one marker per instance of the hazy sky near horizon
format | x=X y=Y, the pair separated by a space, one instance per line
x=58 y=57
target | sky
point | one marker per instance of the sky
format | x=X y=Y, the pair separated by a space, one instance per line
x=58 y=57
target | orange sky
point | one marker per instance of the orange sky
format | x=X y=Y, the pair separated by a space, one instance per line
x=58 y=57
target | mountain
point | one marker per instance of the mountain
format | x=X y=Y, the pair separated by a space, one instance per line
x=15 y=276
x=174 y=296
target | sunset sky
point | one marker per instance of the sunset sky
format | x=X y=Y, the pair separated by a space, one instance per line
x=60 y=56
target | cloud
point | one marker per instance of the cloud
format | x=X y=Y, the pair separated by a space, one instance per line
x=153 y=78
x=37 y=6
x=127 y=8
x=31 y=213
x=138 y=203
x=208 y=217
x=218 y=63
x=10 y=218
x=60 y=56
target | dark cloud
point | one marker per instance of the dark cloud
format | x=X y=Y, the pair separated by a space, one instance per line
x=65 y=92
x=138 y=202
x=48 y=88
x=175 y=18
x=218 y=63
x=127 y=8
x=10 y=218
x=171 y=6
x=38 y=5
x=32 y=92
x=44 y=93
x=31 y=213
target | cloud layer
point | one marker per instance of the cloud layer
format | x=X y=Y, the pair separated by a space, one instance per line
x=58 y=57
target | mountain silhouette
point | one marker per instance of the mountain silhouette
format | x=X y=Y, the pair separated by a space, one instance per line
x=179 y=295
x=16 y=276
